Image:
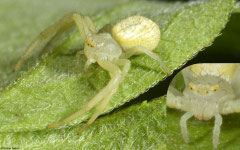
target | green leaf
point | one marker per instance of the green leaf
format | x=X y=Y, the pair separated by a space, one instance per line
x=22 y=21
x=56 y=87
x=201 y=131
x=137 y=127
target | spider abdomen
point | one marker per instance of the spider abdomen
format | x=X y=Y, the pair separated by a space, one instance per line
x=137 y=31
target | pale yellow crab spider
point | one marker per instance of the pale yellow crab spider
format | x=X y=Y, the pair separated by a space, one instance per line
x=131 y=36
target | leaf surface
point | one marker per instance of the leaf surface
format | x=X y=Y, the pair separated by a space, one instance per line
x=140 y=127
x=57 y=87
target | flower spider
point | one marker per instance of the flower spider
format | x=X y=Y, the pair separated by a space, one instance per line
x=210 y=90
x=131 y=36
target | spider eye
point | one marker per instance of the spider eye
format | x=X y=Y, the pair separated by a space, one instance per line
x=215 y=88
x=192 y=87
x=90 y=43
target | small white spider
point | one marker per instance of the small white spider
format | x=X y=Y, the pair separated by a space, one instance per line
x=210 y=90
x=131 y=36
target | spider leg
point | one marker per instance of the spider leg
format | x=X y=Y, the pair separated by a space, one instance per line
x=43 y=35
x=93 y=102
x=216 y=130
x=117 y=77
x=128 y=54
x=174 y=98
x=85 y=24
x=111 y=87
x=54 y=38
x=141 y=49
x=90 y=24
x=231 y=106
x=100 y=108
x=127 y=64
x=183 y=124
x=82 y=23
x=236 y=82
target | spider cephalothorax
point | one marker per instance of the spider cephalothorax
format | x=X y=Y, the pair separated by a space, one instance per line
x=205 y=94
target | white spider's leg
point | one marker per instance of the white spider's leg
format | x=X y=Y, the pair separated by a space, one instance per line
x=54 y=38
x=78 y=55
x=87 y=64
x=43 y=35
x=82 y=24
x=231 y=106
x=236 y=82
x=175 y=98
x=117 y=78
x=128 y=54
x=90 y=24
x=216 y=130
x=115 y=74
x=187 y=75
x=127 y=64
x=141 y=49
x=183 y=124
x=100 y=108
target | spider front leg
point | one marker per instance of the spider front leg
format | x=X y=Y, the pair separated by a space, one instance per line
x=175 y=99
x=117 y=77
x=105 y=94
x=140 y=49
x=84 y=24
x=236 y=82
x=217 y=129
x=230 y=106
x=183 y=125
x=54 y=39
